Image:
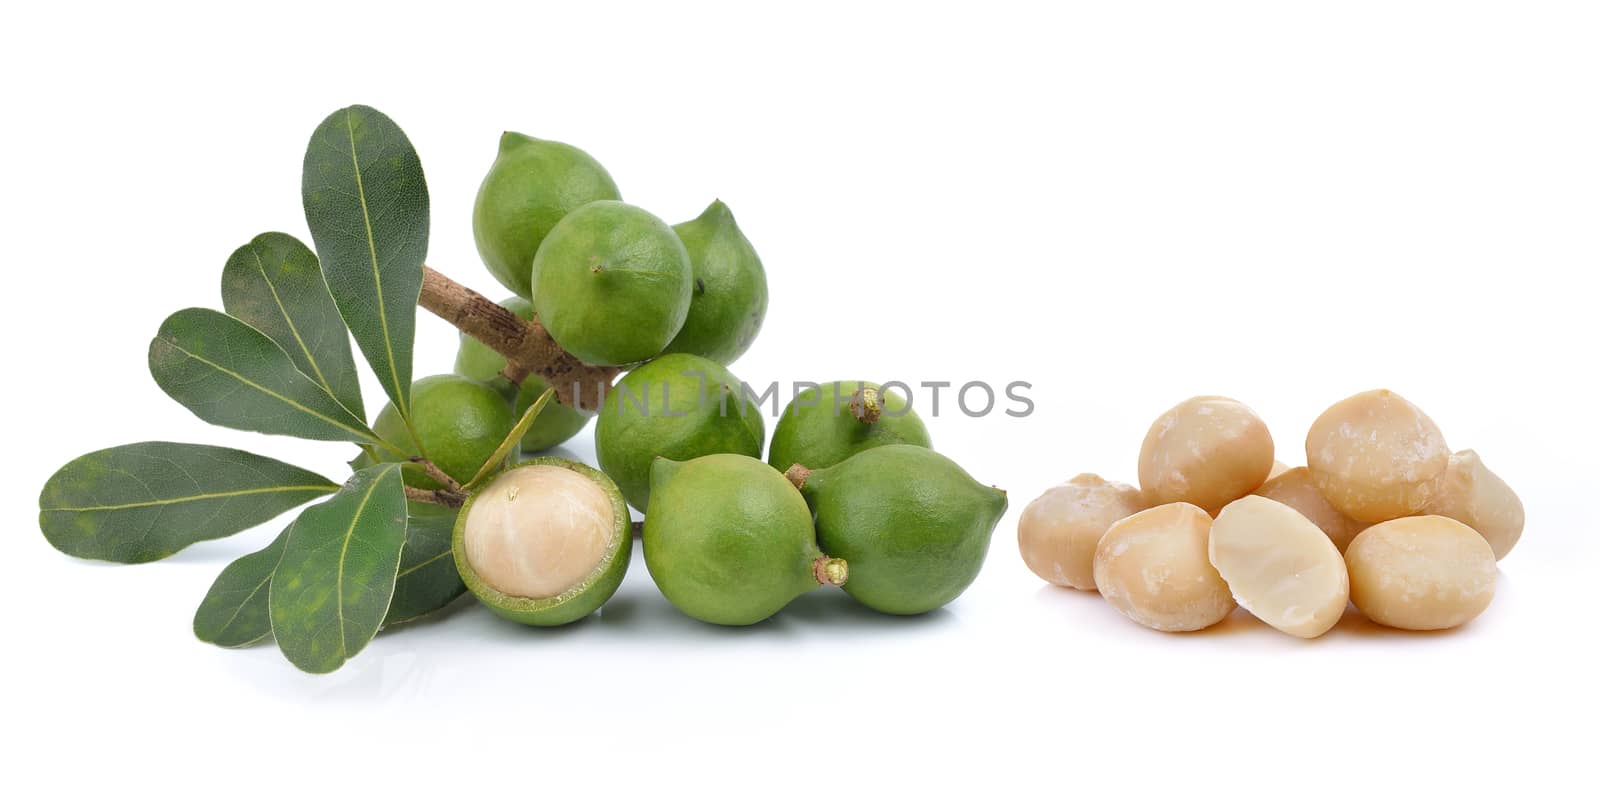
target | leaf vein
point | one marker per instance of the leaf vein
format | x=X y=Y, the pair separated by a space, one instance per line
x=377 y=276
x=197 y=497
x=289 y=321
x=263 y=389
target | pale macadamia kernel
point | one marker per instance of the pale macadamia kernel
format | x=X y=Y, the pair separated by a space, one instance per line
x=1059 y=531
x=1470 y=493
x=1376 y=456
x=538 y=530
x=1153 y=567
x=1295 y=488
x=1280 y=566
x=1208 y=451
x=1279 y=468
x=1423 y=572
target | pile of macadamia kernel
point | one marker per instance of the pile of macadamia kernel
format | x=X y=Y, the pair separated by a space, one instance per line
x=1382 y=515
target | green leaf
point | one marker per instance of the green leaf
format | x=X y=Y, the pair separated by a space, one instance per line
x=367 y=205
x=234 y=612
x=332 y=588
x=274 y=284
x=428 y=579
x=512 y=438
x=232 y=375
x=145 y=501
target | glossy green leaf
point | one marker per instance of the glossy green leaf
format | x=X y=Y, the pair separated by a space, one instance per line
x=232 y=375
x=428 y=579
x=367 y=205
x=145 y=501
x=234 y=612
x=332 y=588
x=274 y=284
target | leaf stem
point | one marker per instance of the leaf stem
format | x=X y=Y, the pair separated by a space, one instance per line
x=436 y=473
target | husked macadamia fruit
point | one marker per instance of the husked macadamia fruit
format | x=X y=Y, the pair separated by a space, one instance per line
x=1295 y=488
x=1423 y=572
x=1280 y=566
x=538 y=530
x=1470 y=493
x=1153 y=567
x=1375 y=456
x=1059 y=531
x=1208 y=451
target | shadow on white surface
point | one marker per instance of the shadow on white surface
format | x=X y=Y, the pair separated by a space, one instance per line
x=1088 y=610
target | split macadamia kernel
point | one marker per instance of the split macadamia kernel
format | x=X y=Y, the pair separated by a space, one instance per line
x=1153 y=567
x=1423 y=572
x=1059 y=531
x=1296 y=488
x=1470 y=493
x=1208 y=451
x=538 y=530
x=1376 y=456
x=1280 y=566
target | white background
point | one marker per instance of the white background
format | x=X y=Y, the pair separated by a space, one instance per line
x=1124 y=203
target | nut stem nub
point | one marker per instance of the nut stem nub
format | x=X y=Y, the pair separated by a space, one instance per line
x=830 y=571
x=866 y=405
x=797 y=475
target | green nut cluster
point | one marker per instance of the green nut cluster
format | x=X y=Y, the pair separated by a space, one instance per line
x=727 y=538
x=533 y=184
x=441 y=502
x=614 y=284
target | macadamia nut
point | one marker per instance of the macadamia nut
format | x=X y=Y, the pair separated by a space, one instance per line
x=1376 y=456
x=1208 y=451
x=1295 y=488
x=1424 y=572
x=1471 y=494
x=1279 y=468
x=1280 y=566
x=1153 y=567
x=1059 y=531
x=538 y=530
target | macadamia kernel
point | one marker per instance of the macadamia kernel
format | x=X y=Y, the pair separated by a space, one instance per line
x=1208 y=451
x=1279 y=468
x=1376 y=456
x=1059 y=531
x=538 y=530
x=1295 y=488
x=1470 y=493
x=1280 y=566
x=1424 y=572
x=1153 y=567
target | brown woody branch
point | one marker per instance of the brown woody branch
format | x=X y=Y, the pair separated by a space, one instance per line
x=527 y=346
x=440 y=497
